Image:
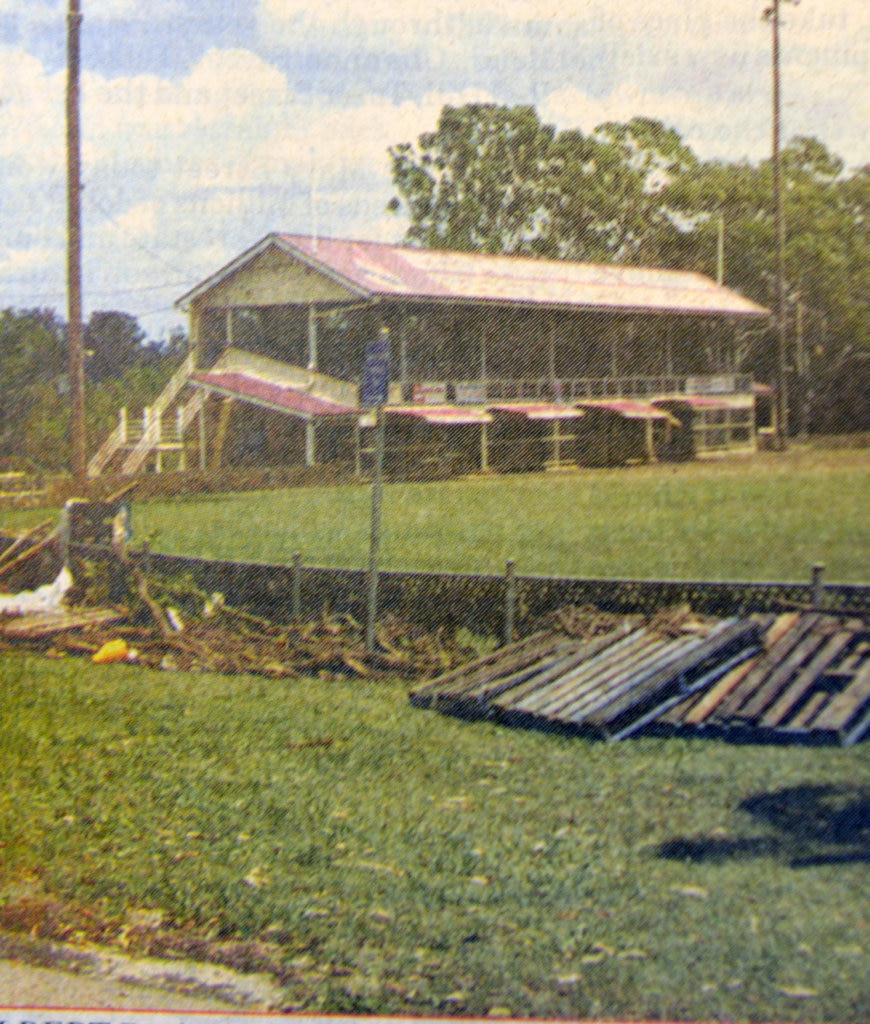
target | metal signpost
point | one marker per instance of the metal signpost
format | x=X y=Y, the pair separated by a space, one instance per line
x=375 y=386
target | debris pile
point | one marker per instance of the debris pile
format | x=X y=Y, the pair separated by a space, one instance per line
x=121 y=613
x=24 y=549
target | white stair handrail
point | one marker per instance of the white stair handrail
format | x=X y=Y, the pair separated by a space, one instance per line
x=103 y=455
x=120 y=436
x=151 y=435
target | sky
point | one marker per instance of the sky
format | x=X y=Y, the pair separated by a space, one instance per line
x=206 y=124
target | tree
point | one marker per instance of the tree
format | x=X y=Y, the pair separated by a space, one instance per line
x=124 y=370
x=494 y=178
x=114 y=342
x=826 y=252
x=32 y=354
x=477 y=181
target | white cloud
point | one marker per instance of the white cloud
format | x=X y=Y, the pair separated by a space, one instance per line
x=710 y=128
x=708 y=24
x=14 y=262
x=227 y=93
x=47 y=11
x=326 y=144
x=396 y=25
x=31 y=113
x=180 y=176
x=139 y=220
x=414 y=13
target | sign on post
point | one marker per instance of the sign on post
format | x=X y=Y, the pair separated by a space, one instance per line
x=376 y=370
x=375 y=387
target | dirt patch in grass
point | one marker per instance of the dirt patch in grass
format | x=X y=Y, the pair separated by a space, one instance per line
x=60 y=934
x=58 y=921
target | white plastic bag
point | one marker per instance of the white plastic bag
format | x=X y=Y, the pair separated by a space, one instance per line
x=47 y=598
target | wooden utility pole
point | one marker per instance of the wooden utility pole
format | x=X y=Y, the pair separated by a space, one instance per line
x=78 y=461
x=772 y=15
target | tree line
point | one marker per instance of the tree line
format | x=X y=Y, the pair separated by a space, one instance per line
x=122 y=367
x=494 y=178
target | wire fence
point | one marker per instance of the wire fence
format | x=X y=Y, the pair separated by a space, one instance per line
x=488 y=604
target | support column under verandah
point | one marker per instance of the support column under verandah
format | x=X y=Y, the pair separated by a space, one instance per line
x=555 y=440
x=484 y=448
x=203 y=450
x=310 y=425
x=649 y=440
x=310 y=443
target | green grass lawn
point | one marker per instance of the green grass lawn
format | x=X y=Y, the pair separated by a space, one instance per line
x=758 y=519
x=766 y=517
x=419 y=864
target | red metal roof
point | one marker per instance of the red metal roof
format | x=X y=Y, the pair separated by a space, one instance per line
x=708 y=401
x=265 y=392
x=376 y=269
x=444 y=415
x=631 y=409
x=397 y=270
x=539 y=410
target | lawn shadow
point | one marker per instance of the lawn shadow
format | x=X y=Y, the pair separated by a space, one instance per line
x=812 y=825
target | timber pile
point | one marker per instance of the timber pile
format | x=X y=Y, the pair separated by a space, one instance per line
x=811 y=681
x=800 y=676
x=227 y=643
x=608 y=686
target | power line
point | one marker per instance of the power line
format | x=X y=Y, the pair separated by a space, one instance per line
x=133 y=240
x=112 y=291
x=154 y=312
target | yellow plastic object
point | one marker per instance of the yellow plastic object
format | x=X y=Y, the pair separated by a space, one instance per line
x=113 y=650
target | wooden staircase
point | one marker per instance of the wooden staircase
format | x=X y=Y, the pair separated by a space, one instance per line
x=156 y=432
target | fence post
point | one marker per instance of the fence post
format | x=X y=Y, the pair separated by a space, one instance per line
x=296 y=586
x=64 y=532
x=510 y=600
x=146 y=557
x=817 y=587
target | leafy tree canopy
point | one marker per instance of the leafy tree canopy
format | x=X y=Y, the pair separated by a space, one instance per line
x=495 y=178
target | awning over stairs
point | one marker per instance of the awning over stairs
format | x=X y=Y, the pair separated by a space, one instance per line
x=258 y=390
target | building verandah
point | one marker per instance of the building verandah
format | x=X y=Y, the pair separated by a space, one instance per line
x=496 y=363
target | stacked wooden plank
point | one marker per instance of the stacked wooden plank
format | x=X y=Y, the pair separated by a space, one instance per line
x=39 y=625
x=810 y=682
x=797 y=676
x=609 y=686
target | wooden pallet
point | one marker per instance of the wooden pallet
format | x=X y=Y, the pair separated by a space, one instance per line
x=800 y=676
x=609 y=686
x=811 y=682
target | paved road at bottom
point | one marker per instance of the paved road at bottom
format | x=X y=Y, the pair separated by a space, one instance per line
x=24 y=986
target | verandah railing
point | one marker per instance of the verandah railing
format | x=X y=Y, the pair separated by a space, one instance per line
x=571 y=389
